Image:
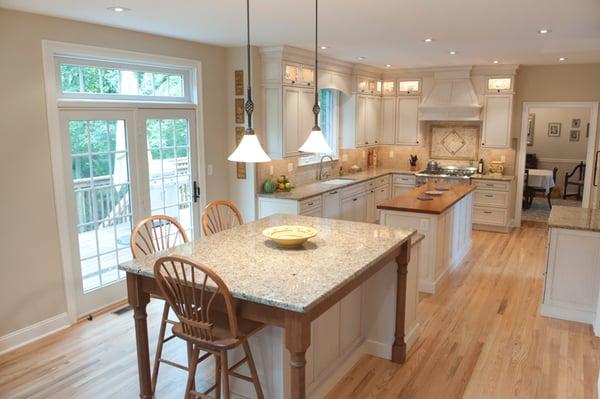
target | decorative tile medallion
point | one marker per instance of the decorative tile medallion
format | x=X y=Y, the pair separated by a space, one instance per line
x=454 y=142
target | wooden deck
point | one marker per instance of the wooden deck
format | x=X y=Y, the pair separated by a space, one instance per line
x=483 y=337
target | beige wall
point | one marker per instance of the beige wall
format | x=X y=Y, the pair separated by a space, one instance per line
x=30 y=270
x=561 y=147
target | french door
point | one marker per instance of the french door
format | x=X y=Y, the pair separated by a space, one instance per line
x=122 y=166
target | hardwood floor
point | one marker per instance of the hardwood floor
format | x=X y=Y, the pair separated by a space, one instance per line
x=482 y=338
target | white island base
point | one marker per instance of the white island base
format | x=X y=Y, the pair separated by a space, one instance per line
x=361 y=323
x=447 y=237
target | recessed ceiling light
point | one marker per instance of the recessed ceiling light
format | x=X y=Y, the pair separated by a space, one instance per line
x=388 y=65
x=428 y=40
x=324 y=47
x=361 y=58
x=562 y=59
x=452 y=52
x=544 y=31
x=495 y=61
x=118 y=9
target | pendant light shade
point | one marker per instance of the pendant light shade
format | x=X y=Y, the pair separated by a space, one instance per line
x=316 y=141
x=249 y=149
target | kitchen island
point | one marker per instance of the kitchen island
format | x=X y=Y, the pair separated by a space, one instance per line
x=445 y=221
x=310 y=298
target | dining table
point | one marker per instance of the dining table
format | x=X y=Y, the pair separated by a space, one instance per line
x=541 y=179
x=285 y=288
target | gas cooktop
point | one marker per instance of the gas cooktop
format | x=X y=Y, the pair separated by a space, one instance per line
x=448 y=171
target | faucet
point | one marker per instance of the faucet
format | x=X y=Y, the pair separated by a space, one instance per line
x=320 y=171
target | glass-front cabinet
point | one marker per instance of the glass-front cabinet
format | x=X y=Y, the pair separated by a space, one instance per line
x=365 y=85
x=388 y=87
x=499 y=84
x=409 y=87
x=298 y=74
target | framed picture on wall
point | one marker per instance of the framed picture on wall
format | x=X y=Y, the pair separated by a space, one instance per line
x=530 y=128
x=554 y=129
x=574 y=135
x=575 y=123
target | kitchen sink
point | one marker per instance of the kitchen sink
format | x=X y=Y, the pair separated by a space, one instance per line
x=338 y=181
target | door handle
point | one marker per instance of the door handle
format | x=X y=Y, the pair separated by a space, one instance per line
x=595 y=168
x=196 y=193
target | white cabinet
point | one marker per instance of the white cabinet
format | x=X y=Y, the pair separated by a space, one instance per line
x=491 y=205
x=350 y=320
x=403 y=183
x=297 y=117
x=572 y=275
x=371 y=206
x=388 y=120
x=327 y=350
x=332 y=205
x=372 y=120
x=407 y=120
x=361 y=121
x=297 y=74
x=354 y=208
x=496 y=121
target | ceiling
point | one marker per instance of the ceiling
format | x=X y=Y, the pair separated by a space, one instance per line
x=383 y=31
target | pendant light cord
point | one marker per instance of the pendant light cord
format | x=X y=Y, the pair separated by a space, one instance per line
x=249 y=106
x=316 y=108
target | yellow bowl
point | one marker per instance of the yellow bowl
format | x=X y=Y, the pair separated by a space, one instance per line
x=290 y=236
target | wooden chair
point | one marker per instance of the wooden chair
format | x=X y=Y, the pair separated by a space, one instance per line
x=220 y=215
x=151 y=235
x=533 y=190
x=579 y=182
x=526 y=191
x=204 y=327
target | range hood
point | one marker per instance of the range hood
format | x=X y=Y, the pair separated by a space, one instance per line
x=452 y=98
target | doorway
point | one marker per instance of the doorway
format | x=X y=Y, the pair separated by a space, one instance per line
x=122 y=166
x=555 y=162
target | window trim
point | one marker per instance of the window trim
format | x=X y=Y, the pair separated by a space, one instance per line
x=312 y=159
x=137 y=66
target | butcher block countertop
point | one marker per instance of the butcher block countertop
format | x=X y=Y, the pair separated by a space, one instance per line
x=408 y=201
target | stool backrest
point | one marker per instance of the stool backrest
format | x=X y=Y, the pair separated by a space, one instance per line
x=220 y=215
x=191 y=289
x=156 y=233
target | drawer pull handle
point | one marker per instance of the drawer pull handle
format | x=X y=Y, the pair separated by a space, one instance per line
x=310 y=203
x=489 y=195
x=333 y=192
x=489 y=185
x=487 y=212
x=354 y=199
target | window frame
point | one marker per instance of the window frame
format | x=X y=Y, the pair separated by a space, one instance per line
x=189 y=95
x=334 y=140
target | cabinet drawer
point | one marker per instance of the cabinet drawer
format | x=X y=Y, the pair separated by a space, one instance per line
x=492 y=216
x=382 y=181
x=405 y=179
x=312 y=202
x=353 y=190
x=498 y=199
x=491 y=184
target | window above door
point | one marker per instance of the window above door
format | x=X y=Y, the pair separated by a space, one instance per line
x=105 y=80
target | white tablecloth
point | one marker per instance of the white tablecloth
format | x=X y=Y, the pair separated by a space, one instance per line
x=541 y=178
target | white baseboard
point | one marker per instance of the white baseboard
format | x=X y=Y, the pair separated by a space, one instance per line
x=567 y=314
x=33 y=332
x=411 y=337
x=379 y=349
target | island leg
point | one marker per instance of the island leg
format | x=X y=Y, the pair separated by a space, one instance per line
x=138 y=299
x=399 y=346
x=297 y=341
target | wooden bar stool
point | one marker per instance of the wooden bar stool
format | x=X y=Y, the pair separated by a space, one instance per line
x=151 y=235
x=220 y=215
x=191 y=290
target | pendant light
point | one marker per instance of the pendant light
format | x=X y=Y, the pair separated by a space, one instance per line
x=249 y=149
x=316 y=142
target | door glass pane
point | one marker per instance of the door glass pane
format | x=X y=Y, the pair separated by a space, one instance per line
x=100 y=171
x=169 y=167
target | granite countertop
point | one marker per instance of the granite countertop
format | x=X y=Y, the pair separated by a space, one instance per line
x=568 y=217
x=408 y=201
x=492 y=177
x=255 y=269
x=308 y=190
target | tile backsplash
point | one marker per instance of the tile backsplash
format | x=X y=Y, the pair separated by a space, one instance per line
x=390 y=156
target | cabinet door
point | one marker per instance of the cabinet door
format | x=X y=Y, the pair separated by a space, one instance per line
x=331 y=205
x=398 y=189
x=496 y=121
x=350 y=320
x=316 y=212
x=361 y=109
x=388 y=129
x=307 y=118
x=291 y=119
x=375 y=121
x=381 y=194
x=371 y=207
x=326 y=341
x=407 y=120
x=347 y=209
x=359 y=210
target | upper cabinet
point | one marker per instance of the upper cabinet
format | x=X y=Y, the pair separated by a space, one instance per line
x=367 y=85
x=388 y=87
x=497 y=120
x=298 y=74
x=361 y=116
x=499 y=84
x=407 y=120
x=388 y=120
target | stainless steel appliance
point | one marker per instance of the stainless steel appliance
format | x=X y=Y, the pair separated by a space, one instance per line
x=445 y=175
